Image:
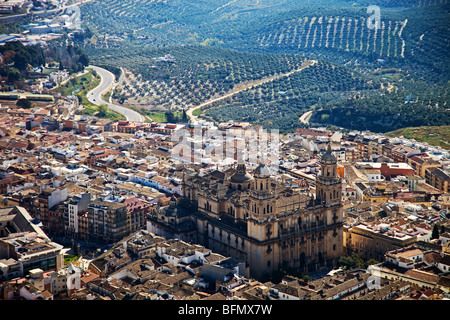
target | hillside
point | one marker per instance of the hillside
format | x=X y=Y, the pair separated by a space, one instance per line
x=221 y=45
x=196 y=74
x=278 y=103
x=433 y=135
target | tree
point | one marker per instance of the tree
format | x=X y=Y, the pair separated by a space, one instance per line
x=354 y=261
x=83 y=59
x=13 y=75
x=24 y=103
x=170 y=117
x=435 y=232
x=22 y=59
x=102 y=110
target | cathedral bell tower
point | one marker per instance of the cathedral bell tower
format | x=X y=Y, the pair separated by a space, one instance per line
x=328 y=184
x=262 y=223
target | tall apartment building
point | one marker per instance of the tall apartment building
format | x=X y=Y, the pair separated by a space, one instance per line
x=438 y=178
x=73 y=210
x=107 y=221
x=47 y=199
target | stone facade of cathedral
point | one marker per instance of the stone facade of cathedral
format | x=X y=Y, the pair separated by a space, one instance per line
x=256 y=218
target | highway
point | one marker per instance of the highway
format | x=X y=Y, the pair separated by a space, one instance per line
x=106 y=83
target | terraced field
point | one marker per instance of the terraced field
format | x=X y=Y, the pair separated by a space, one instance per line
x=337 y=33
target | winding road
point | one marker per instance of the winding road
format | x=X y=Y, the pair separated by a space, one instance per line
x=106 y=83
x=305 y=117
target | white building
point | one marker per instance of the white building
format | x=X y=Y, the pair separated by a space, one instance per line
x=405 y=258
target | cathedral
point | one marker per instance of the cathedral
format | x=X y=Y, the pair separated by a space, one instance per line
x=256 y=218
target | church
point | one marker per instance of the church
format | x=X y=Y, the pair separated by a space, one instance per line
x=256 y=218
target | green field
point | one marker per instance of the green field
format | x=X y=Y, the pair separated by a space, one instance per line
x=157 y=116
x=83 y=83
x=435 y=136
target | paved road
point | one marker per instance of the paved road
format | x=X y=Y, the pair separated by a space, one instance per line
x=305 y=117
x=106 y=83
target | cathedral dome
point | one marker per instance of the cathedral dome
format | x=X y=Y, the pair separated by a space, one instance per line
x=241 y=175
x=328 y=157
x=262 y=171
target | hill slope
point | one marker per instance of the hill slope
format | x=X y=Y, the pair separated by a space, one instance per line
x=433 y=135
x=407 y=56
